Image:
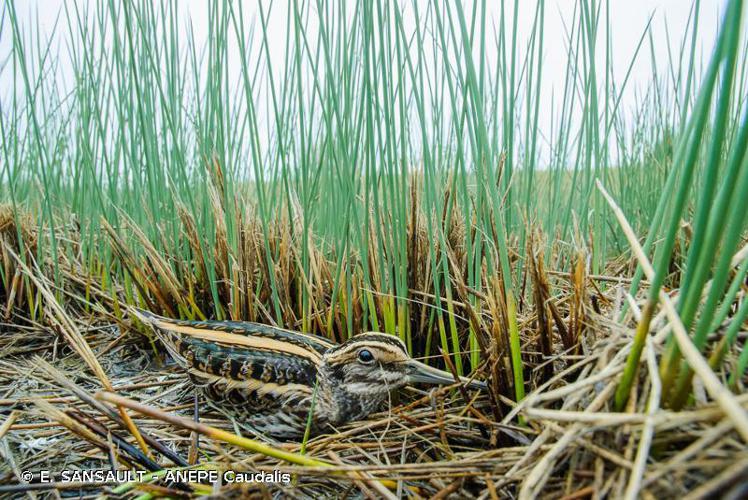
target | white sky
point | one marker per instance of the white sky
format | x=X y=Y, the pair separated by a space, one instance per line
x=629 y=18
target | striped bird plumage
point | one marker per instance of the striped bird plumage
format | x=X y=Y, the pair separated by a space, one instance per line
x=267 y=376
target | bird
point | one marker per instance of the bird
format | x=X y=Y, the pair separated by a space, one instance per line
x=271 y=378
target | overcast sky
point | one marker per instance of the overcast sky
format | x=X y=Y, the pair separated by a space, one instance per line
x=628 y=18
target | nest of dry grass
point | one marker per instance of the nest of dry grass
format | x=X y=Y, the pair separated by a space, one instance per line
x=562 y=440
x=432 y=444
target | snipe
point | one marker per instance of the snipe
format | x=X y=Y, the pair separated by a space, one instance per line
x=266 y=376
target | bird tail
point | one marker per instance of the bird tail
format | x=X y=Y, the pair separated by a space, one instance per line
x=161 y=326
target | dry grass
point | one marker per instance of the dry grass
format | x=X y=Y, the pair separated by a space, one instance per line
x=435 y=444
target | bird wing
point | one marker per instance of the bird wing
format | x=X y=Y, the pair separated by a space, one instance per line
x=246 y=356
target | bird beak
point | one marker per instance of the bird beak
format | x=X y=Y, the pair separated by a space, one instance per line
x=420 y=372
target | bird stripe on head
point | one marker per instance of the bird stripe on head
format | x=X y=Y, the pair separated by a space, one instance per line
x=380 y=337
x=386 y=352
x=233 y=340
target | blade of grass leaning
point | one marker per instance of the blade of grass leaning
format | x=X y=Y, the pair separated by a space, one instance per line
x=687 y=155
x=716 y=221
x=60 y=318
x=221 y=435
x=724 y=398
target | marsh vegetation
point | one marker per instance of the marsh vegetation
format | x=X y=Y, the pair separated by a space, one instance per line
x=397 y=170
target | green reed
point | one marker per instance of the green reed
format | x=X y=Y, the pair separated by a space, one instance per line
x=392 y=158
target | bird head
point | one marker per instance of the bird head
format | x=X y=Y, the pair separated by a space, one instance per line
x=372 y=363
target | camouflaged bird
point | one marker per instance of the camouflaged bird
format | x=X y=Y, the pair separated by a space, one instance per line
x=266 y=376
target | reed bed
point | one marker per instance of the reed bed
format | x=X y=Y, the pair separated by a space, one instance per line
x=382 y=177
x=571 y=442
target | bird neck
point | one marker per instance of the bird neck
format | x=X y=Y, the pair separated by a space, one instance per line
x=337 y=404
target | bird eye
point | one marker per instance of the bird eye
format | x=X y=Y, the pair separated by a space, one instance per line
x=365 y=356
